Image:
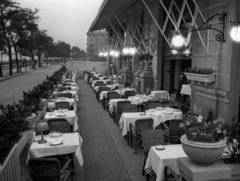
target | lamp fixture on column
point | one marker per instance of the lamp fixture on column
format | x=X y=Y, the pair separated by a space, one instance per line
x=177 y=40
x=207 y=26
x=235 y=31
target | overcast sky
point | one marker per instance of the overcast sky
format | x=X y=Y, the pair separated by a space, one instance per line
x=65 y=20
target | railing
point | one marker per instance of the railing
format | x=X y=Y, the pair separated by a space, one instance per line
x=10 y=170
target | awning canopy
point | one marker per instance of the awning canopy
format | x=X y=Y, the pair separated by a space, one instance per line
x=119 y=7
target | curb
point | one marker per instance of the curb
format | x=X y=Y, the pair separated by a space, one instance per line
x=19 y=74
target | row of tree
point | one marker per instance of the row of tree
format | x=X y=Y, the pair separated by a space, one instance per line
x=19 y=31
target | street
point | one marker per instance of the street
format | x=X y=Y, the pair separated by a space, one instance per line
x=11 y=89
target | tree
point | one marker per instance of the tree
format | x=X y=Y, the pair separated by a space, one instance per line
x=7 y=10
x=75 y=52
x=63 y=49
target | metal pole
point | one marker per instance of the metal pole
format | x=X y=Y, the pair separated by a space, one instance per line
x=156 y=23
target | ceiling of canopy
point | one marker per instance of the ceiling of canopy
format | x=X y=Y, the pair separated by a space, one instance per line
x=105 y=13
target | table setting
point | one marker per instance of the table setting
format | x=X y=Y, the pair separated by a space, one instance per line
x=139 y=99
x=70 y=116
x=63 y=143
x=71 y=102
x=161 y=114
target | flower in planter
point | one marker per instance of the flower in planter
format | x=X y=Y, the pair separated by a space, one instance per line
x=232 y=136
x=199 y=129
x=196 y=70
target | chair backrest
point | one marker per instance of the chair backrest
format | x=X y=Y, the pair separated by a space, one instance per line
x=68 y=95
x=173 y=97
x=66 y=84
x=120 y=104
x=69 y=81
x=153 y=105
x=129 y=108
x=147 y=91
x=143 y=124
x=152 y=137
x=99 y=84
x=104 y=89
x=116 y=87
x=47 y=169
x=65 y=88
x=61 y=126
x=129 y=93
x=112 y=95
x=62 y=105
x=205 y=113
x=174 y=128
x=109 y=82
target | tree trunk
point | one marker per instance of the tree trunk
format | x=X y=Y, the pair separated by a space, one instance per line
x=8 y=45
x=33 y=63
x=16 y=55
x=39 y=61
x=1 y=74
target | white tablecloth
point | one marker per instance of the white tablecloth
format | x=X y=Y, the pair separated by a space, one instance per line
x=159 y=159
x=74 y=93
x=139 y=99
x=70 y=116
x=160 y=94
x=72 y=102
x=113 y=102
x=72 y=144
x=160 y=116
x=127 y=118
x=95 y=81
x=186 y=90
x=122 y=91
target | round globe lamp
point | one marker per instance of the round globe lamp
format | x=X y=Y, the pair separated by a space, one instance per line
x=178 y=40
x=41 y=126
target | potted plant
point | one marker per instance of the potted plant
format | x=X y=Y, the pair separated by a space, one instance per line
x=205 y=75
x=204 y=139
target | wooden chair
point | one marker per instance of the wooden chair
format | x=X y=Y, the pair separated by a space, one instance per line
x=137 y=129
x=48 y=169
x=129 y=93
x=119 y=110
x=151 y=138
x=172 y=131
x=152 y=105
x=170 y=102
x=62 y=105
x=129 y=108
x=65 y=88
x=147 y=90
x=68 y=95
x=109 y=82
x=110 y=95
x=61 y=125
x=102 y=88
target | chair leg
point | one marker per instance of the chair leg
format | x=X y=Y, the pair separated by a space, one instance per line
x=144 y=162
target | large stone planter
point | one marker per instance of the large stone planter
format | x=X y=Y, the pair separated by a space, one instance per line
x=200 y=77
x=203 y=152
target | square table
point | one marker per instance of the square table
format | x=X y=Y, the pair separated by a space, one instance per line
x=160 y=94
x=70 y=116
x=74 y=94
x=71 y=102
x=186 y=90
x=113 y=103
x=162 y=115
x=139 y=99
x=157 y=160
x=127 y=118
x=72 y=144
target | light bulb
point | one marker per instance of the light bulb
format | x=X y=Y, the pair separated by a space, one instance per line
x=111 y=52
x=100 y=54
x=187 y=51
x=235 y=33
x=116 y=53
x=125 y=51
x=178 y=40
x=105 y=54
x=174 y=51
x=132 y=51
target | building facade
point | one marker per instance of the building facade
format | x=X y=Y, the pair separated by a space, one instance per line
x=150 y=25
x=95 y=41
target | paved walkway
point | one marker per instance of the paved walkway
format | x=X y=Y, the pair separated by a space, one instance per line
x=106 y=154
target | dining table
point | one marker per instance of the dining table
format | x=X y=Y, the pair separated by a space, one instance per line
x=72 y=102
x=70 y=116
x=74 y=94
x=68 y=143
x=160 y=94
x=161 y=114
x=128 y=118
x=113 y=104
x=140 y=99
x=157 y=160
